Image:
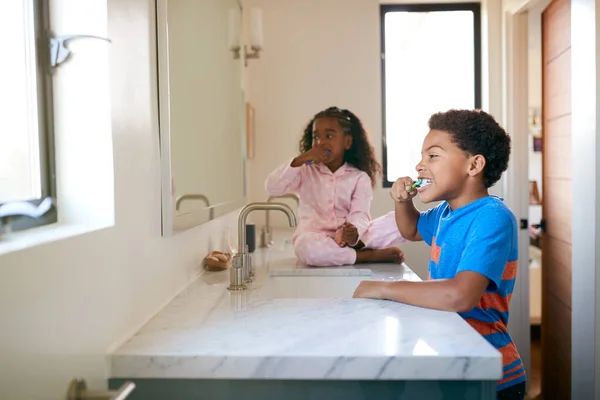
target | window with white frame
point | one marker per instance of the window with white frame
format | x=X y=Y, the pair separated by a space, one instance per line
x=26 y=153
x=431 y=61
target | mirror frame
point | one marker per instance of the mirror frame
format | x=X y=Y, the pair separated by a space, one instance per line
x=200 y=216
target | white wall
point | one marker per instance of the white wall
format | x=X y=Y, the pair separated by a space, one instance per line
x=63 y=305
x=320 y=53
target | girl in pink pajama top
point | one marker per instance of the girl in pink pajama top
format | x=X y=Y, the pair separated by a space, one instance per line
x=333 y=177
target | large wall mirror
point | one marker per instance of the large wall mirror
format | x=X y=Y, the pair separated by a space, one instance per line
x=201 y=108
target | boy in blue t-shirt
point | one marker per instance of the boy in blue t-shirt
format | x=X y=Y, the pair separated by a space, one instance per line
x=473 y=236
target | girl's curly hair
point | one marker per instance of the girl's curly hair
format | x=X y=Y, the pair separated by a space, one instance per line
x=361 y=155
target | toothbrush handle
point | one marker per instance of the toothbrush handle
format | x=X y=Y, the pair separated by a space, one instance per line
x=414 y=186
x=309 y=162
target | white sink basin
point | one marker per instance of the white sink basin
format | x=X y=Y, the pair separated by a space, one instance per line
x=302 y=287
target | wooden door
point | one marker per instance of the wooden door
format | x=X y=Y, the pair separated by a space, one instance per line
x=557 y=199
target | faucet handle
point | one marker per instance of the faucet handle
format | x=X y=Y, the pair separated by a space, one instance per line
x=236 y=273
x=237 y=261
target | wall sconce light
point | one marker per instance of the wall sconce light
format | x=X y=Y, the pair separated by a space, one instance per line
x=234 y=32
x=256 y=36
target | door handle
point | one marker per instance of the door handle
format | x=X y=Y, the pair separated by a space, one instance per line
x=543 y=225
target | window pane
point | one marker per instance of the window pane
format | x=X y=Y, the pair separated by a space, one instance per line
x=20 y=176
x=429 y=67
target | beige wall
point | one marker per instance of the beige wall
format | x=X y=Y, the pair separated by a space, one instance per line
x=64 y=304
x=320 y=53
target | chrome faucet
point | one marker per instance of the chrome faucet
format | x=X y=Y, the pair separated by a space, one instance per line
x=240 y=271
x=266 y=236
x=180 y=199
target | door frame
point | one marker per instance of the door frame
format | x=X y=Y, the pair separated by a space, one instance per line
x=586 y=202
x=516 y=184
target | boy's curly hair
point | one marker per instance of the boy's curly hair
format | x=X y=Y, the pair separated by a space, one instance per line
x=477 y=132
x=361 y=155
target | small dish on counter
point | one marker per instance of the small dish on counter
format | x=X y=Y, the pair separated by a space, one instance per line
x=217 y=261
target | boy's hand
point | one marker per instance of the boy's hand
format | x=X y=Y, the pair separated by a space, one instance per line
x=338 y=237
x=400 y=188
x=370 y=290
x=349 y=233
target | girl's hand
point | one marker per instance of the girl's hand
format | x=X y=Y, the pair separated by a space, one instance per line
x=338 y=237
x=316 y=155
x=370 y=290
x=400 y=190
x=349 y=233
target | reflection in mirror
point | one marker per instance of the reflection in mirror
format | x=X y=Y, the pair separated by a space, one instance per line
x=201 y=111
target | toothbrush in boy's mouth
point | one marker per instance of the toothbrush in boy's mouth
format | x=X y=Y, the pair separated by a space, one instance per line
x=311 y=161
x=419 y=183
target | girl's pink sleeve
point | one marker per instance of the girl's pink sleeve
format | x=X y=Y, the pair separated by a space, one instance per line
x=285 y=179
x=360 y=207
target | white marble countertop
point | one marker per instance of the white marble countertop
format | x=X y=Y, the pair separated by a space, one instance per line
x=303 y=327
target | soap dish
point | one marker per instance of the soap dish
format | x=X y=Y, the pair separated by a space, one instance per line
x=217 y=261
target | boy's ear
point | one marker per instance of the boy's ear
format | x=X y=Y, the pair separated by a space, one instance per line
x=347 y=142
x=476 y=165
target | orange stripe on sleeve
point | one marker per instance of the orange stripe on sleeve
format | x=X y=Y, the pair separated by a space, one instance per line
x=510 y=270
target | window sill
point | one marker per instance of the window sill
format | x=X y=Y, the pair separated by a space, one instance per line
x=24 y=240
